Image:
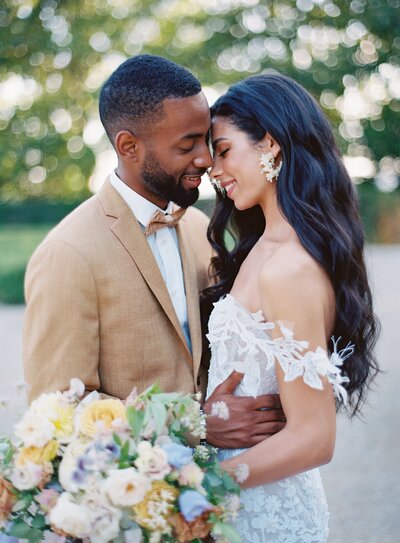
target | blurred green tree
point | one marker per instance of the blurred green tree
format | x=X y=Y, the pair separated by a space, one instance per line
x=55 y=54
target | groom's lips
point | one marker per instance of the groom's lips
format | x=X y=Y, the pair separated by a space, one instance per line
x=192 y=181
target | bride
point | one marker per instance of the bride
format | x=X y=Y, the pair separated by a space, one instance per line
x=294 y=279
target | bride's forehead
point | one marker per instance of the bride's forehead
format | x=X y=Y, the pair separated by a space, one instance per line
x=224 y=128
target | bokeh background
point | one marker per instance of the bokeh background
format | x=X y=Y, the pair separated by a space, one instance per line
x=55 y=54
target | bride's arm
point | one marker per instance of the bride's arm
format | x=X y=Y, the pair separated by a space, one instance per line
x=305 y=298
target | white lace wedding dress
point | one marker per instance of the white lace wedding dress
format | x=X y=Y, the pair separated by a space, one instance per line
x=293 y=510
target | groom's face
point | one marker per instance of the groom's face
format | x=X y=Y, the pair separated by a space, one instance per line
x=176 y=151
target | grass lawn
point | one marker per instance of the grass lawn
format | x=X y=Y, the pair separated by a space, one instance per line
x=17 y=243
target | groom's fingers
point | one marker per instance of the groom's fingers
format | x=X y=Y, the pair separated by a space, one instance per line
x=267 y=401
x=229 y=385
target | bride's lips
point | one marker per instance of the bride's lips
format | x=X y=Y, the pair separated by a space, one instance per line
x=229 y=186
x=191 y=181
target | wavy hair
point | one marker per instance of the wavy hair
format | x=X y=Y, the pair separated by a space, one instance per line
x=317 y=198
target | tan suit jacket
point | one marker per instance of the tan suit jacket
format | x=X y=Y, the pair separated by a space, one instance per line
x=98 y=307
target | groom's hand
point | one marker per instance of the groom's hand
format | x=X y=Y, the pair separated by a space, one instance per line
x=243 y=421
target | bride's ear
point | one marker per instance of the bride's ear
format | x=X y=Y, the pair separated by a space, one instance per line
x=269 y=145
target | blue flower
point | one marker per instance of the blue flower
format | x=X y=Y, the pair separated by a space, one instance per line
x=192 y=504
x=178 y=455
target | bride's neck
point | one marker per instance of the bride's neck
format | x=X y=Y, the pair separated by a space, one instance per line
x=277 y=228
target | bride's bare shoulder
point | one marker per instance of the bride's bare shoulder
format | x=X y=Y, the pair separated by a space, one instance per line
x=291 y=260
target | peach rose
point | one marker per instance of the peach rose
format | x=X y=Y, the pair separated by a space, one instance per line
x=7 y=498
x=188 y=531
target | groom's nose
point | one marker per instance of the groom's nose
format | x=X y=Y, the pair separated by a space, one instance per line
x=203 y=159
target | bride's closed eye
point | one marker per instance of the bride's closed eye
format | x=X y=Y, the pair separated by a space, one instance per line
x=223 y=153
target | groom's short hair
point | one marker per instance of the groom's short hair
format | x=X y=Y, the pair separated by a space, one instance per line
x=134 y=93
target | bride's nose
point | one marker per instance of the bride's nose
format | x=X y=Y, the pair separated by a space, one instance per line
x=215 y=171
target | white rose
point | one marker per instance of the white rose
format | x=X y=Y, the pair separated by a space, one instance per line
x=152 y=461
x=105 y=524
x=34 y=430
x=134 y=535
x=126 y=487
x=27 y=477
x=70 y=517
x=69 y=463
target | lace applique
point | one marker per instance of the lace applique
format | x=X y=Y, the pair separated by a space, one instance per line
x=232 y=330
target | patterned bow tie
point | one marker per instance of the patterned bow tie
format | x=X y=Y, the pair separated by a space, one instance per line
x=160 y=220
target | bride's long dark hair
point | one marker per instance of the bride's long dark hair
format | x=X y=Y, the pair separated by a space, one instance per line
x=316 y=196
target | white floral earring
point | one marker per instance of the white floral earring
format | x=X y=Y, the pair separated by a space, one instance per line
x=216 y=183
x=267 y=160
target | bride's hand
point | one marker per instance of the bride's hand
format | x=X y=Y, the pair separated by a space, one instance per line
x=235 y=422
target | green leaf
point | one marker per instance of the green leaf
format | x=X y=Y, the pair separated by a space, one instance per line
x=23 y=503
x=227 y=531
x=213 y=478
x=124 y=454
x=135 y=419
x=22 y=530
x=166 y=397
x=159 y=414
x=6 y=450
x=39 y=522
x=152 y=389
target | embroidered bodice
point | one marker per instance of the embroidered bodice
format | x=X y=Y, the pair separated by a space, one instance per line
x=240 y=340
x=293 y=510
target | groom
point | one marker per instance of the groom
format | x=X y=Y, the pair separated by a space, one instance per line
x=113 y=291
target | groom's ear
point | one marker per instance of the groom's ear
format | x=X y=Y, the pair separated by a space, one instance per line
x=126 y=145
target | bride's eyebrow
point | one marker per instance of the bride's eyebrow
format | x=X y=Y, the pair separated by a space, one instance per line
x=215 y=142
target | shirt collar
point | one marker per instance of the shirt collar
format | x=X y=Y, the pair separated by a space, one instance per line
x=142 y=209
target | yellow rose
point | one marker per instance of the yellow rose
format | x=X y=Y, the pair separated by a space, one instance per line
x=38 y=455
x=101 y=414
x=161 y=493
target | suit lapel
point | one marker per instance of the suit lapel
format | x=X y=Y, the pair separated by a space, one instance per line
x=192 y=294
x=128 y=231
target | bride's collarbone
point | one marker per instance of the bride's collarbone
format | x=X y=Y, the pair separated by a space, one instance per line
x=245 y=288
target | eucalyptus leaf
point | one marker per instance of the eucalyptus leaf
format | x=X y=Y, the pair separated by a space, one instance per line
x=159 y=414
x=135 y=419
x=22 y=530
x=166 y=397
x=227 y=531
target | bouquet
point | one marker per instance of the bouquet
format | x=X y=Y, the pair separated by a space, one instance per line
x=104 y=470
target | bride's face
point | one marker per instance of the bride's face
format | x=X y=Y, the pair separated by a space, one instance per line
x=236 y=164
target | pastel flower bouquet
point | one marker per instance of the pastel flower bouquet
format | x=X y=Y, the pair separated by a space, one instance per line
x=102 y=470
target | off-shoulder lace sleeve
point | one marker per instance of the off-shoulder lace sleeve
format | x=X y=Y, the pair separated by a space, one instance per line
x=238 y=338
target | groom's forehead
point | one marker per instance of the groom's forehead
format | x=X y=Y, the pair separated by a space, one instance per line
x=186 y=118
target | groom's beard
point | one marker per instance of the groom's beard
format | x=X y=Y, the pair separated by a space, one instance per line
x=164 y=185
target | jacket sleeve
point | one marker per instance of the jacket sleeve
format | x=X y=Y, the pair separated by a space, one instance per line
x=61 y=328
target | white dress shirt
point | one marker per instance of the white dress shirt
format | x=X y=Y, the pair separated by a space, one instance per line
x=164 y=246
